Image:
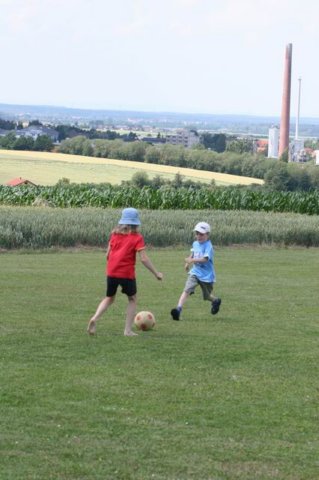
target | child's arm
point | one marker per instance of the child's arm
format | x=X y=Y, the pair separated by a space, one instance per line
x=189 y=260
x=148 y=264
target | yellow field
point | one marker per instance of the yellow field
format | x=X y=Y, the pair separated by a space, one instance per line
x=43 y=168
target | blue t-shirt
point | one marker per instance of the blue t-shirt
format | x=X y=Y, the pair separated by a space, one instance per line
x=205 y=272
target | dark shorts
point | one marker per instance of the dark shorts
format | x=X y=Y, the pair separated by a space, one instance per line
x=128 y=286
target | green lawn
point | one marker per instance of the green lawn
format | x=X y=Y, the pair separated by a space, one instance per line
x=231 y=396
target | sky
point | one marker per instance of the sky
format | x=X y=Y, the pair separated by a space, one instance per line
x=192 y=56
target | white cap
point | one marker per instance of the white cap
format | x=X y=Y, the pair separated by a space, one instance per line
x=202 y=227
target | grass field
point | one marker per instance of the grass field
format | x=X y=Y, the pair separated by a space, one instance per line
x=234 y=396
x=43 y=168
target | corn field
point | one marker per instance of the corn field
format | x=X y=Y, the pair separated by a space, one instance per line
x=164 y=198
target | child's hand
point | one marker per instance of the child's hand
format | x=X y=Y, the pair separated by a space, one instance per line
x=186 y=267
x=159 y=276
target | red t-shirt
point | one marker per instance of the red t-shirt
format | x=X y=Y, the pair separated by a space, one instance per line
x=122 y=254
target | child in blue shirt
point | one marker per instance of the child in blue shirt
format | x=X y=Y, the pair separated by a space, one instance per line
x=200 y=265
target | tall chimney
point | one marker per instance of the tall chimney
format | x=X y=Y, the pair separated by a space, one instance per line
x=285 y=109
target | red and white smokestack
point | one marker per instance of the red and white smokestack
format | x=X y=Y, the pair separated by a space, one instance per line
x=285 y=109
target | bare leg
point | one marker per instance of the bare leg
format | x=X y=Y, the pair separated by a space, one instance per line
x=103 y=306
x=183 y=299
x=130 y=314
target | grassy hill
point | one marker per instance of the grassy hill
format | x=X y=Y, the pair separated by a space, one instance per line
x=45 y=168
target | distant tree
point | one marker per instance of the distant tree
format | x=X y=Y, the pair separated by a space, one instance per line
x=35 y=123
x=23 y=143
x=232 y=164
x=92 y=133
x=136 y=151
x=261 y=167
x=264 y=153
x=220 y=142
x=131 y=137
x=152 y=154
x=198 y=146
x=73 y=146
x=178 y=180
x=78 y=144
x=278 y=178
x=284 y=157
x=87 y=148
x=140 y=179
x=69 y=131
x=240 y=145
x=315 y=144
x=61 y=129
x=173 y=155
x=7 y=141
x=102 y=148
x=63 y=181
x=7 y=125
x=312 y=143
x=299 y=178
x=157 y=181
x=111 y=135
x=216 y=142
x=43 y=143
x=314 y=176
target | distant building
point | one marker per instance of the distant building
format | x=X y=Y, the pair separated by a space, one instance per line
x=36 y=131
x=187 y=138
x=260 y=145
x=273 y=142
x=153 y=140
x=316 y=157
x=15 y=182
x=33 y=132
x=296 y=151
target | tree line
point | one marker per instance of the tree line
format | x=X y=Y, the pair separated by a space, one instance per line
x=70 y=131
x=42 y=143
x=214 y=153
x=278 y=175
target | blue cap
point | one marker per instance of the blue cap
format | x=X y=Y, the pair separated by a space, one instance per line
x=130 y=217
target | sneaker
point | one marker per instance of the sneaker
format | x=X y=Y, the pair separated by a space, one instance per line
x=215 y=305
x=175 y=314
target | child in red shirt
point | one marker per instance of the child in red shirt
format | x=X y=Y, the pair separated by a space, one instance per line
x=125 y=242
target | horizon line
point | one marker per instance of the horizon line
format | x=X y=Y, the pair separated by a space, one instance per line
x=130 y=110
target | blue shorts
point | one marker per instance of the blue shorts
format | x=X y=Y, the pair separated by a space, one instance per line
x=128 y=286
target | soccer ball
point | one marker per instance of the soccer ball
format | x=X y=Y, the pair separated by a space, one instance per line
x=144 y=320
